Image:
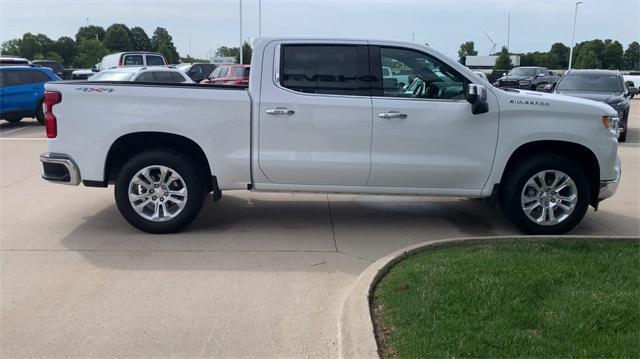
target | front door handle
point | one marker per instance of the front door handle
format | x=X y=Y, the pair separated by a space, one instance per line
x=392 y=114
x=280 y=111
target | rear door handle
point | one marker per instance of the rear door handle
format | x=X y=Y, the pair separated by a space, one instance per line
x=392 y=114
x=280 y=111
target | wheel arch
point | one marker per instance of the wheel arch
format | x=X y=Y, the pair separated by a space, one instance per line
x=129 y=144
x=581 y=154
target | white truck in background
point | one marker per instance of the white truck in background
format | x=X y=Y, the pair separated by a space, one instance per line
x=317 y=117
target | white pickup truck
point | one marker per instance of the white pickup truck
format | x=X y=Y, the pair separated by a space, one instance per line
x=318 y=116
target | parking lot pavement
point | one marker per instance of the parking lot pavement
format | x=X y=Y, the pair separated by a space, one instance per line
x=257 y=274
x=27 y=128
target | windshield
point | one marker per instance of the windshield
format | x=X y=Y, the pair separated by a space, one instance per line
x=521 y=71
x=591 y=83
x=112 y=76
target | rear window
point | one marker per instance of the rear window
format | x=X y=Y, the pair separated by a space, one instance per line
x=325 y=69
x=133 y=60
x=112 y=76
x=155 y=60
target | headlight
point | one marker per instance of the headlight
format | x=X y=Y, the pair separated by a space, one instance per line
x=611 y=123
x=524 y=82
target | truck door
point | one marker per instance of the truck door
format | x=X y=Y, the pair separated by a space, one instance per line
x=424 y=134
x=315 y=114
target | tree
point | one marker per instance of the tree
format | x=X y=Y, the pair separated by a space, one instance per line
x=503 y=62
x=247 y=52
x=117 y=38
x=89 y=52
x=466 y=49
x=588 y=59
x=11 y=47
x=192 y=60
x=163 y=43
x=53 y=56
x=90 y=32
x=139 y=39
x=631 y=56
x=612 y=55
x=29 y=46
x=66 y=48
x=562 y=54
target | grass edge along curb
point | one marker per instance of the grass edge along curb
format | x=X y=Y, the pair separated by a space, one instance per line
x=356 y=331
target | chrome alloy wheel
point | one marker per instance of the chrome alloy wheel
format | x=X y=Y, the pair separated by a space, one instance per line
x=549 y=197
x=157 y=193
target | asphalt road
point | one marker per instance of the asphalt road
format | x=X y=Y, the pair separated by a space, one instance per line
x=258 y=275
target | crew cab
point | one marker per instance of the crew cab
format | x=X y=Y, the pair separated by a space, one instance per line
x=530 y=78
x=317 y=116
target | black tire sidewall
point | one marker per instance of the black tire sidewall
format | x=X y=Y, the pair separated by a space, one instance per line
x=518 y=176
x=184 y=166
x=40 y=114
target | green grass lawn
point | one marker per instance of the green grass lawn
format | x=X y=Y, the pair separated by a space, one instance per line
x=552 y=299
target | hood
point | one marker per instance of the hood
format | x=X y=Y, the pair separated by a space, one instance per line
x=605 y=97
x=552 y=102
x=516 y=78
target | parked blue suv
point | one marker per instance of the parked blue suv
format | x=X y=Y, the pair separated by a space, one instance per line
x=22 y=91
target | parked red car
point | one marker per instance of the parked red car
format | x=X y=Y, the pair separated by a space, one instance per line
x=229 y=74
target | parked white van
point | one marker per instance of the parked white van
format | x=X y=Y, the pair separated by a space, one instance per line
x=132 y=58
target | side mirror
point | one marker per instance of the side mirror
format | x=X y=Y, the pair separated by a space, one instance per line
x=477 y=96
x=633 y=90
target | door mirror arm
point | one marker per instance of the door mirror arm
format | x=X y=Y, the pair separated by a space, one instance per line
x=476 y=95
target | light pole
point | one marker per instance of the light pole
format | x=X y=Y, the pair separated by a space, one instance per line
x=259 y=18
x=573 y=34
x=240 y=48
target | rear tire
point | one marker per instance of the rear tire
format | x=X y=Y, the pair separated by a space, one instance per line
x=157 y=183
x=525 y=202
x=40 y=114
x=623 y=136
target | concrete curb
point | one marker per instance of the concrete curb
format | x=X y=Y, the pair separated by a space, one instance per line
x=356 y=336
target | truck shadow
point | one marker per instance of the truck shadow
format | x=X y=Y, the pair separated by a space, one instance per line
x=246 y=225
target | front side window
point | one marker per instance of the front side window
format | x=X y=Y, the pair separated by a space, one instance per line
x=414 y=74
x=325 y=69
x=133 y=60
x=154 y=60
x=18 y=77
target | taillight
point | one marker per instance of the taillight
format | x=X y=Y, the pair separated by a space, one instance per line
x=51 y=98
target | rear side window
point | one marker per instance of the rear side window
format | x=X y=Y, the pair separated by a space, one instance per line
x=154 y=60
x=325 y=69
x=40 y=77
x=18 y=77
x=177 y=77
x=133 y=60
x=164 y=76
x=145 y=77
x=241 y=72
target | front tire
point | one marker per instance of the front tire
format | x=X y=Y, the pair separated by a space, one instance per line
x=159 y=191
x=13 y=119
x=546 y=194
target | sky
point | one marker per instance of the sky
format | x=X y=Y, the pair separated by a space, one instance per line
x=199 y=27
